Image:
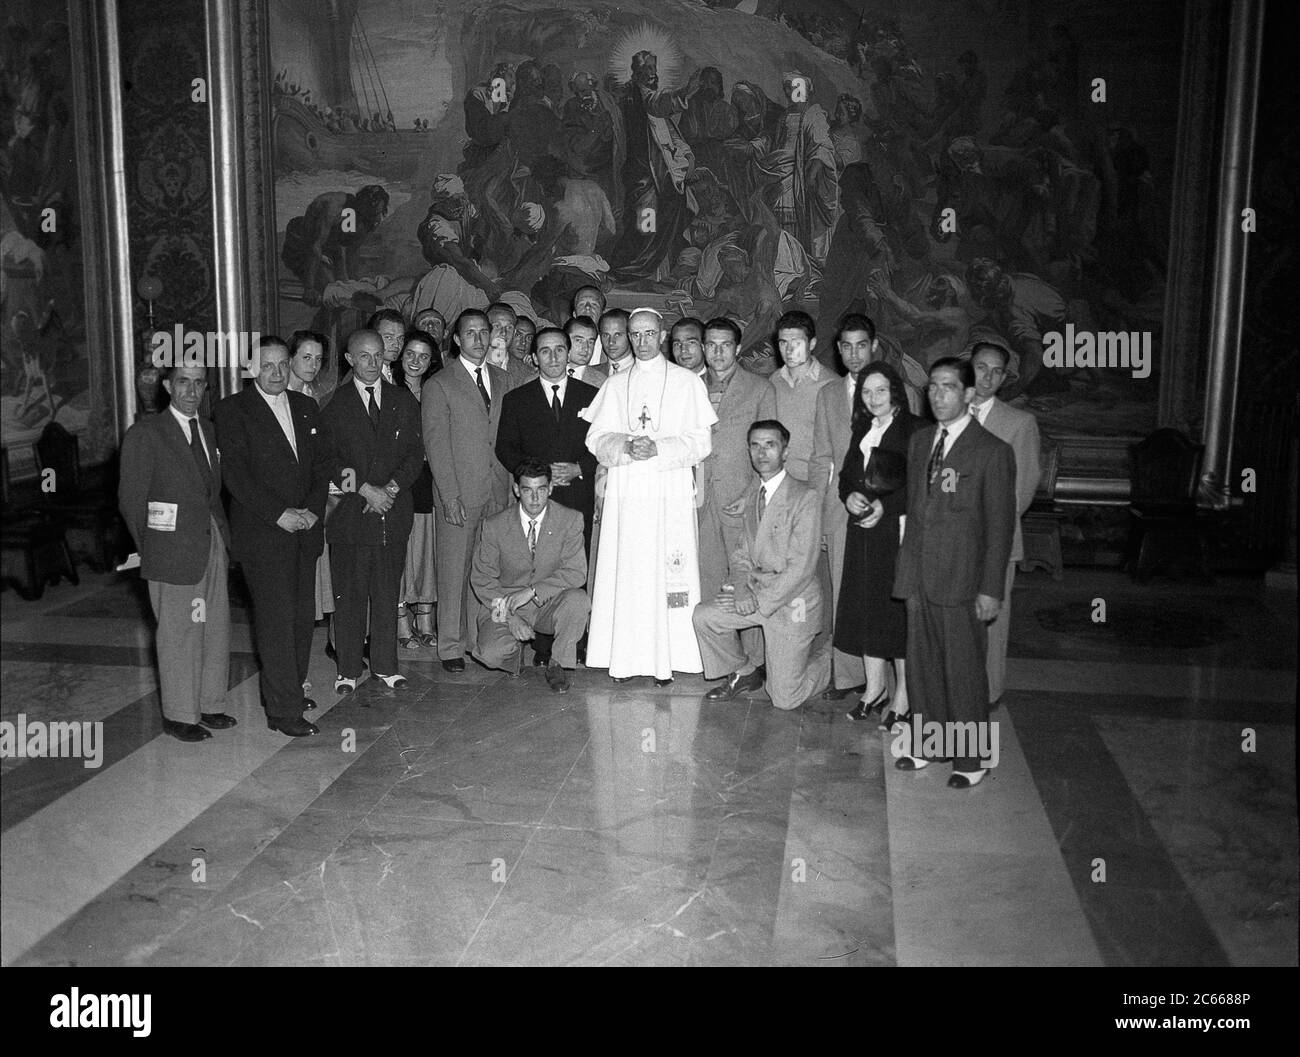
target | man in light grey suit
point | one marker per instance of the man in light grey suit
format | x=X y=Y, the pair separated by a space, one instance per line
x=1020 y=430
x=460 y=408
x=832 y=429
x=740 y=399
x=774 y=586
x=528 y=574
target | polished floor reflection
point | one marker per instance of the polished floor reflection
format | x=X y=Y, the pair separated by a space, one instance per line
x=1143 y=812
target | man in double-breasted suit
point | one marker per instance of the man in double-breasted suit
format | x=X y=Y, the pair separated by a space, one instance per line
x=540 y=420
x=1020 y=430
x=774 y=586
x=961 y=513
x=461 y=410
x=372 y=435
x=275 y=471
x=528 y=575
x=170 y=497
x=832 y=430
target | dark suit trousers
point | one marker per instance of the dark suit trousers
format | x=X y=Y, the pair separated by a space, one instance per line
x=366 y=579
x=947 y=680
x=283 y=590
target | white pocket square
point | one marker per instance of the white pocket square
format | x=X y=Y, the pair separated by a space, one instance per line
x=313 y=432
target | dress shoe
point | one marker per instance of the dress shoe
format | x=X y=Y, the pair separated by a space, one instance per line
x=664 y=682
x=295 y=727
x=455 y=664
x=966 y=779
x=910 y=763
x=217 y=720
x=344 y=685
x=557 y=679
x=891 y=719
x=393 y=682
x=622 y=678
x=582 y=655
x=541 y=660
x=735 y=686
x=835 y=693
x=308 y=704
x=185 y=731
x=863 y=709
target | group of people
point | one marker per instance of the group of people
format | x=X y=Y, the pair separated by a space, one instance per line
x=618 y=491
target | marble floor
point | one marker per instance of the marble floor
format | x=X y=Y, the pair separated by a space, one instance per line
x=1143 y=812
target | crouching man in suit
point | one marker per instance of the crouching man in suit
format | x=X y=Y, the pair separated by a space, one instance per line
x=773 y=586
x=170 y=498
x=528 y=573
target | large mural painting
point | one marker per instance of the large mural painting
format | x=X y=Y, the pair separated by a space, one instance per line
x=44 y=368
x=958 y=169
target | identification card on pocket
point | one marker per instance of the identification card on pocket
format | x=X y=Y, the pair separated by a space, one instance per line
x=162 y=516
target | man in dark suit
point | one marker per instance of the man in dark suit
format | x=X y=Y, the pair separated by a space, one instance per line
x=461 y=411
x=276 y=474
x=375 y=452
x=540 y=420
x=773 y=586
x=832 y=429
x=961 y=516
x=528 y=575
x=170 y=497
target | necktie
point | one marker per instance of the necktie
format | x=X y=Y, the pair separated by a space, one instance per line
x=762 y=500
x=532 y=537
x=487 y=400
x=372 y=408
x=555 y=402
x=936 y=459
x=200 y=456
x=571 y=374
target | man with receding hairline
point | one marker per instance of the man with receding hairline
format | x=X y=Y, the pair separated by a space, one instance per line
x=649 y=428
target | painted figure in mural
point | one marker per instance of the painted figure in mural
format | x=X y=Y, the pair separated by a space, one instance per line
x=756 y=116
x=532 y=125
x=847 y=131
x=805 y=198
x=457 y=280
x=324 y=244
x=709 y=122
x=487 y=111
x=932 y=321
x=657 y=204
x=594 y=143
x=1022 y=308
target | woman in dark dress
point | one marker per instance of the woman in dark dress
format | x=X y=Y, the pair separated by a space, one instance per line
x=873 y=487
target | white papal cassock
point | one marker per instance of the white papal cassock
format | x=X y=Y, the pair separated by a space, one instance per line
x=647 y=579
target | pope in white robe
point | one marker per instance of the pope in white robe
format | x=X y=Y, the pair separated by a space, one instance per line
x=650 y=426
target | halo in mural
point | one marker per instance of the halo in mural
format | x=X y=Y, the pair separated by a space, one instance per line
x=646 y=37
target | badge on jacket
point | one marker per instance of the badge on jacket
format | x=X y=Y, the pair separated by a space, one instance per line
x=162 y=516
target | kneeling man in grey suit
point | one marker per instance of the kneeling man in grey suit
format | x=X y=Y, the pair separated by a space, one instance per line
x=528 y=573
x=773 y=586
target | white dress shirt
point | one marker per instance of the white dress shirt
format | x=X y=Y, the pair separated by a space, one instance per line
x=954 y=431
x=525 y=520
x=377 y=386
x=185 y=425
x=546 y=385
x=768 y=488
x=473 y=374
x=279 y=406
x=981 y=411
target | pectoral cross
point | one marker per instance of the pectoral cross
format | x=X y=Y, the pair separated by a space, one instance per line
x=645 y=415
